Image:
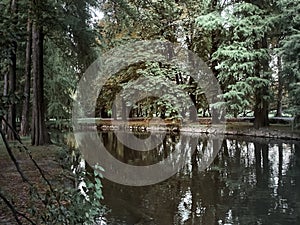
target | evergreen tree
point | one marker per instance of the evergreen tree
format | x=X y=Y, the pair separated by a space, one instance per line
x=39 y=134
x=290 y=52
x=35 y=26
x=25 y=124
x=242 y=57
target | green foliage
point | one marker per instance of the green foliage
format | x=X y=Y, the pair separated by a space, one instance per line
x=12 y=30
x=76 y=200
x=160 y=80
x=239 y=56
x=76 y=206
x=290 y=52
x=69 y=49
x=6 y=101
x=73 y=197
x=4 y=104
x=60 y=83
x=126 y=21
x=147 y=79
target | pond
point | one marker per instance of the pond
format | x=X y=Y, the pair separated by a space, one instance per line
x=249 y=181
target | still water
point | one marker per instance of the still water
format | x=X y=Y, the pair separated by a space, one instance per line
x=250 y=181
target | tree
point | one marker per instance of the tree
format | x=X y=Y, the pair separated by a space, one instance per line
x=157 y=78
x=60 y=83
x=290 y=52
x=65 y=28
x=126 y=21
x=10 y=17
x=280 y=88
x=27 y=74
x=39 y=133
x=12 y=74
x=242 y=57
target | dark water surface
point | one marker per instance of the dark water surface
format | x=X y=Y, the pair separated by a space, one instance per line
x=251 y=181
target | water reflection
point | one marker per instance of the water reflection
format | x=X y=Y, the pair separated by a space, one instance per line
x=247 y=183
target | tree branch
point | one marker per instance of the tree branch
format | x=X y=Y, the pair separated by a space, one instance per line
x=14 y=211
x=17 y=137
x=12 y=157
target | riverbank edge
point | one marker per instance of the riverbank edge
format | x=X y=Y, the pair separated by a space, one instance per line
x=277 y=132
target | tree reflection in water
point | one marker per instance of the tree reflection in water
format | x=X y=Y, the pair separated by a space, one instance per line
x=249 y=182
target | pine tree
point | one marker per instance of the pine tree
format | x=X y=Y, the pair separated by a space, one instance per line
x=242 y=57
x=10 y=29
x=62 y=50
x=12 y=73
x=290 y=52
x=25 y=124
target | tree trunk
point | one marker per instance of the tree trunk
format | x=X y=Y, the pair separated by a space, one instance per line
x=5 y=93
x=215 y=38
x=12 y=78
x=12 y=90
x=39 y=132
x=26 y=101
x=261 y=112
x=192 y=111
x=280 y=90
x=261 y=107
x=124 y=110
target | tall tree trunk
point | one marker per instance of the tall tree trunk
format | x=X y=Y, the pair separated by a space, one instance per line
x=280 y=90
x=26 y=101
x=12 y=77
x=39 y=132
x=5 y=93
x=261 y=107
x=261 y=111
x=12 y=90
x=215 y=38
x=193 y=108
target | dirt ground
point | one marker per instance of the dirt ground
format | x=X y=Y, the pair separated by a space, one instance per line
x=11 y=184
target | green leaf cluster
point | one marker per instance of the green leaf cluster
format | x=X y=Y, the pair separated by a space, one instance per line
x=75 y=198
x=238 y=57
x=159 y=80
x=290 y=51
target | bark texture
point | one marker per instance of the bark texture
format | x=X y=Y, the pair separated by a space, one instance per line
x=26 y=101
x=39 y=133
